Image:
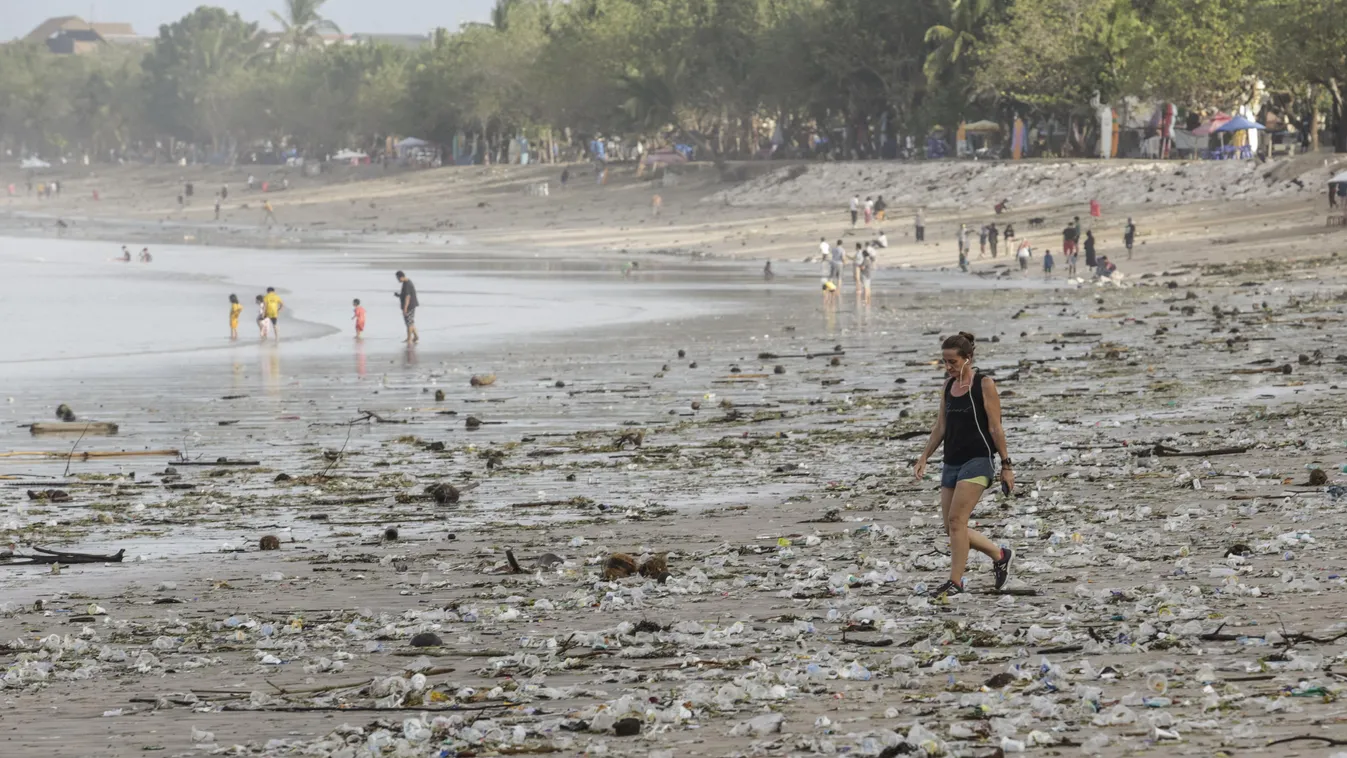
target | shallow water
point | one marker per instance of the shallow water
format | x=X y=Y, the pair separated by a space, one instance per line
x=71 y=307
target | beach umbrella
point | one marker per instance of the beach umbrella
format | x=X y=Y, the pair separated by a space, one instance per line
x=1338 y=178
x=1238 y=124
x=983 y=126
x=1210 y=124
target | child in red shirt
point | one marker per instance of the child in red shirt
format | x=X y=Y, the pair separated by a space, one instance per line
x=359 y=318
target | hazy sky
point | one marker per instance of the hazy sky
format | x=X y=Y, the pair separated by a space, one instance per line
x=18 y=17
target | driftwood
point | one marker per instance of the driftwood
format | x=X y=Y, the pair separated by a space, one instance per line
x=1164 y=451
x=1282 y=369
x=52 y=556
x=93 y=454
x=217 y=462
x=73 y=427
x=1328 y=741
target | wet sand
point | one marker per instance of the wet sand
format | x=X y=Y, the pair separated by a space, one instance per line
x=785 y=504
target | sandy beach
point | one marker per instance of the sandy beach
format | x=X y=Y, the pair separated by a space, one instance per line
x=1180 y=585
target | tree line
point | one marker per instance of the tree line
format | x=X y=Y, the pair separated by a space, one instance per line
x=726 y=76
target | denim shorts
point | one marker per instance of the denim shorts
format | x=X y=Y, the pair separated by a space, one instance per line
x=952 y=475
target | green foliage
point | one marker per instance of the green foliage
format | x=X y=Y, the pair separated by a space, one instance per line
x=721 y=74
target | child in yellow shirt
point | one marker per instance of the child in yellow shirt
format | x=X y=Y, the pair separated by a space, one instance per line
x=234 y=310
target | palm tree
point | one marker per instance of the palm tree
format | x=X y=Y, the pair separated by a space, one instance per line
x=954 y=40
x=302 y=25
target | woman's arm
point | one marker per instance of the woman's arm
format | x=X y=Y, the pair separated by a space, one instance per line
x=937 y=437
x=991 y=400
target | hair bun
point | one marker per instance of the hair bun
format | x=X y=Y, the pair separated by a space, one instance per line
x=968 y=336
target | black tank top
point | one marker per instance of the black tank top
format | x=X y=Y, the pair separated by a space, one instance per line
x=967 y=432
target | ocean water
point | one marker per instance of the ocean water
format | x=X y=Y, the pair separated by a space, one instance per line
x=70 y=306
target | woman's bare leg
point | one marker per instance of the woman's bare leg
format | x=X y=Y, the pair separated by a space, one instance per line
x=964 y=497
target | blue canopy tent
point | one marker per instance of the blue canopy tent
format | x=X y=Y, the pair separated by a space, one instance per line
x=1236 y=124
x=1239 y=124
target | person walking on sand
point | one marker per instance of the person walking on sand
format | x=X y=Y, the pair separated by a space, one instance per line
x=1089 y=249
x=982 y=242
x=767 y=273
x=963 y=241
x=1022 y=255
x=263 y=323
x=269 y=215
x=407 y=299
x=920 y=223
x=993 y=236
x=235 y=309
x=273 y=308
x=358 y=317
x=1071 y=262
x=869 y=210
x=1129 y=236
x=881 y=208
x=969 y=427
x=1047 y=263
x=855 y=209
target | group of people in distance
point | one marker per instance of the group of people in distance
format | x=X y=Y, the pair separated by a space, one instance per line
x=270 y=305
x=144 y=257
x=863 y=262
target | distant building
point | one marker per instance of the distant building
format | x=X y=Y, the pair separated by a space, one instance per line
x=75 y=42
x=72 y=35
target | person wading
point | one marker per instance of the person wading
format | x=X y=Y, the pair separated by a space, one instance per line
x=969 y=426
x=407 y=299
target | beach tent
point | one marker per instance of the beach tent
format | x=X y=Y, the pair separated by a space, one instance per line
x=412 y=142
x=355 y=156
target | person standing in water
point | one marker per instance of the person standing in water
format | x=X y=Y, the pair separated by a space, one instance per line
x=359 y=317
x=969 y=427
x=263 y=324
x=272 y=307
x=867 y=269
x=235 y=309
x=407 y=298
x=839 y=256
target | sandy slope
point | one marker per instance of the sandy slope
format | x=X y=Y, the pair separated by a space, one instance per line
x=1185 y=211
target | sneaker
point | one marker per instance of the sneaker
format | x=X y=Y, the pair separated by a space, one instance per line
x=947 y=589
x=1001 y=568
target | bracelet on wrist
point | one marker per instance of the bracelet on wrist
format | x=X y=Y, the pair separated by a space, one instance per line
x=1007 y=463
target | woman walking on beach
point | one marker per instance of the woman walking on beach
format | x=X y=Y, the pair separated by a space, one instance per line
x=969 y=427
